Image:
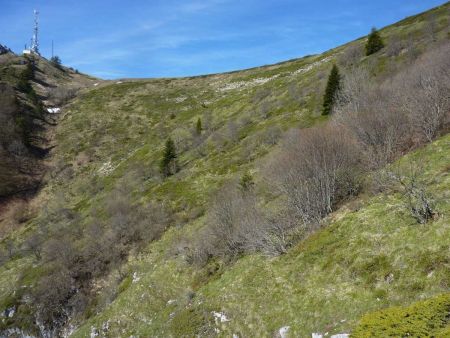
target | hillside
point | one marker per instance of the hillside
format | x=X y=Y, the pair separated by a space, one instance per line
x=110 y=247
x=29 y=86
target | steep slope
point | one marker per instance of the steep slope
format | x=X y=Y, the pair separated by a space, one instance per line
x=29 y=87
x=372 y=254
x=131 y=277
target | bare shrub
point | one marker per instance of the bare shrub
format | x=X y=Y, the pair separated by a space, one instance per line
x=425 y=91
x=370 y=112
x=315 y=169
x=236 y=224
x=351 y=55
x=61 y=95
x=416 y=198
x=395 y=46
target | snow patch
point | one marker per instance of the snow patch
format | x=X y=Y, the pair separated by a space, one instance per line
x=316 y=335
x=95 y=84
x=119 y=82
x=171 y=301
x=311 y=66
x=180 y=99
x=245 y=84
x=94 y=332
x=220 y=317
x=284 y=331
x=341 y=335
x=106 y=168
x=136 y=278
x=53 y=110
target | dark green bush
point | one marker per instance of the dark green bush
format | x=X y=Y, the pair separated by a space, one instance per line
x=429 y=318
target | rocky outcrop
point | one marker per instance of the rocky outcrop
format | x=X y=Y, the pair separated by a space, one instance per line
x=4 y=50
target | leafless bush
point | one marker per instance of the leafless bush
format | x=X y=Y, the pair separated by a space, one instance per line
x=381 y=115
x=271 y=135
x=394 y=46
x=416 y=198
x=61 y=95
x=351 y=55
x=236 y=224
x=425 y=89
x=33 y=244
x=315 y=169
x=430 y=26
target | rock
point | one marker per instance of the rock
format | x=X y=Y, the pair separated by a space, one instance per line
x=4 y=50
x=284 y=331
x=136 y=278
x=220 y=317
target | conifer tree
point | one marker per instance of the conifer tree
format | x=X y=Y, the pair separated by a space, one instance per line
x=198 y=127
x=331 y=90
x=246 y=182
x=168 y=164
x=374 y=42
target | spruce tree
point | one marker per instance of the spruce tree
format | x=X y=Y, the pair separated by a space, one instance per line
x=331 y=90
x=246 y=182
x=198 y=127
x=374 y=42
x=168 y=161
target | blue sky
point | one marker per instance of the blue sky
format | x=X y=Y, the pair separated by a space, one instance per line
x=162 y=38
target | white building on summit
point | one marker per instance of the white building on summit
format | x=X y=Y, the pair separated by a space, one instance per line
x=34 y=48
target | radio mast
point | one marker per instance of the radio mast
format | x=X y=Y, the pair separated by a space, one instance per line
x=34 y=40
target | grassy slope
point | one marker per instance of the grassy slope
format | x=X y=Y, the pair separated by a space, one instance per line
x=365 y=259
x=123 y=126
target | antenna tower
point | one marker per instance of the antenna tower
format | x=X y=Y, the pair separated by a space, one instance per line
x=34 y=41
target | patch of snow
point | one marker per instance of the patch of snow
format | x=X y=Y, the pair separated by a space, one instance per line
x=106 y=168
x=119 y=82
x=105 y=326
x=341 y=335
x=316 y=335
x=68 y=331
x=94 y=332
x=171 y=301
x=310 y=66
x=235 y=335
x=95 y=84
x=284 y=331
x=245 y=84
x=220 y=317
x=136 y=278
x=180 y=99
x=430 y=274
x=53 y=110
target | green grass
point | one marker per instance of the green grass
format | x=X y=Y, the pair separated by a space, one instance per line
x=363 y=260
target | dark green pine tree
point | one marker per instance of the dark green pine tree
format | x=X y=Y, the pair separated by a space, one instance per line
x=374 y=42
x=246 y=183
x=331 y=90
x=198 y=127
x=168 y=165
